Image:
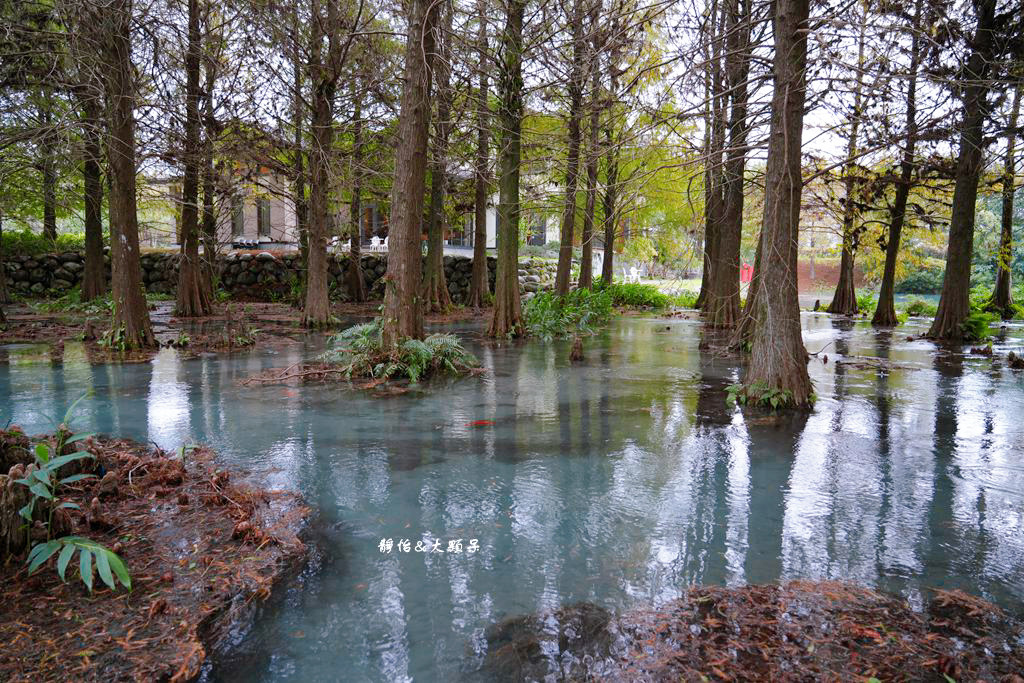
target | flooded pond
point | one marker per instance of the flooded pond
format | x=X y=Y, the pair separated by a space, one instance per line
x=618 y=481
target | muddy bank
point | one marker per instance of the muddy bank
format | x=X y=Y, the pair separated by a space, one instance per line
x=233 y=327
x=201 y=551
x=801 y=631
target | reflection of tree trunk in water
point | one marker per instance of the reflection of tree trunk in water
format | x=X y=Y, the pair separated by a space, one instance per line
x=100 y=387
x=883 y=343
x=604 y=403
x=712 y=409
x=941 y=522
x=711 y=419
x=562 y=401
x=773 y=445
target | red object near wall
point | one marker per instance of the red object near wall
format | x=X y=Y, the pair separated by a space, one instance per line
x=746 y=272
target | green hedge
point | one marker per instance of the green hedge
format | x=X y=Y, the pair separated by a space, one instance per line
x=30 y=243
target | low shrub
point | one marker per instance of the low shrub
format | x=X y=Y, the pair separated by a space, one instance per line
x=548 y=315
x=359 y=352
x=920 y=307
x=921 y=281
x=29 y=243
x=635 y=294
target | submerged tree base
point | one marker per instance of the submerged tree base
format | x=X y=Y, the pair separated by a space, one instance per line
x=200 y=551
x=803 y=630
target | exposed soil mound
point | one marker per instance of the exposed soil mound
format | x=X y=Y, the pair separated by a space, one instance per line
x=200 y=551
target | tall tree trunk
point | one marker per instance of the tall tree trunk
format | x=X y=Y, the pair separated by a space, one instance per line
x=1002 y=300
x=298 y=150
x=592 y=156
x=435 y=288
x=609 y=201
x=49 y=172
x=885 y=311
x=209 y=216
x=844 y=301
x=5 y=292
x=324 y=70
x=507 y=320
x=356 y=283
x=94 y=277
x=714 y=147
x=778 y=357
x=403 y=315
x=130 y=327
x=316 y=311
x=722 y=308
x=564 y=272
x=209 y=178
x=479 y=280
x=954 y=302
x=193 y=298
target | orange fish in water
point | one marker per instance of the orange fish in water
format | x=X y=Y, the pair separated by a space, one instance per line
x=290 y=393
x=480 y=423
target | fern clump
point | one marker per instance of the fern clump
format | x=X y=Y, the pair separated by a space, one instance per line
x=359 y=352
x=548 y=315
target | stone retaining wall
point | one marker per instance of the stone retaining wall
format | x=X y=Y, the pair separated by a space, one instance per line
x=254 y=274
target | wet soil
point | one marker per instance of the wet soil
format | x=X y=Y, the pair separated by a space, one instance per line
x=799 y=631
x=201 y=550
x=234 y=327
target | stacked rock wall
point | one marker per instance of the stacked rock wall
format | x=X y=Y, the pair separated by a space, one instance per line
x=261 y=275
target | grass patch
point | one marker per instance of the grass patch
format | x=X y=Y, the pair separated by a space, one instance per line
x=548 y=315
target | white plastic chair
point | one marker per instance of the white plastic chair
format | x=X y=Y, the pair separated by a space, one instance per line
x=374 y=243
x=384 y=245
x=634 y=274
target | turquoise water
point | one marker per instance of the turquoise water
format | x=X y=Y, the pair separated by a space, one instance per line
x=618 y=481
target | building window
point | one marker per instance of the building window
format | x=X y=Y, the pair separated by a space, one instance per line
x=263 y=217
x=237 y=217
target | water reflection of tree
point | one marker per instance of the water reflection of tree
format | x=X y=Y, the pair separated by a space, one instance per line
x=941 y=520
x=773 y=444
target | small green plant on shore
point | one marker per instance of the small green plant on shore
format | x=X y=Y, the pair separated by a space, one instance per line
x=359 y=352
x=976 y=327
x=44 y=483
x=758 y=394
x=548 y=315
x=107 y=562
x=866 y=302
